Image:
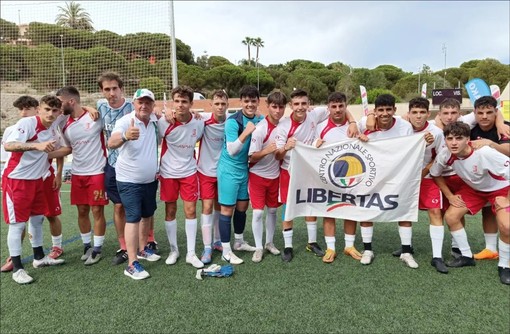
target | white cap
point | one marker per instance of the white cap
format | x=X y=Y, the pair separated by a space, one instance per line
x=143 y=92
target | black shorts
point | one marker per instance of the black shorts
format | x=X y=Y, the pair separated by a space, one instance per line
x=110 y=184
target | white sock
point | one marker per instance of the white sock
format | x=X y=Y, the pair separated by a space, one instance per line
x=367 y=233
x=57 y=241
x=491 y=241
x=406 y=234
x=257 y=227
x=454 y=243
x=330 y=242
x=98 y=240
x=86 y=238
x=35 y=229
x=311 y=227
x=287 y=238
x=270 y=224
x=226 y=250
x=504 y=254
x=14 y=238
x=460 y=237
x=349 y=240
x=191 y=234
x=206 y=222
x=216 y=224
x=239 y=237
x=171 y=233
x=436 y=237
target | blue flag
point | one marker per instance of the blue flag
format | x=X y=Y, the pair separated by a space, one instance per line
x=476 y=88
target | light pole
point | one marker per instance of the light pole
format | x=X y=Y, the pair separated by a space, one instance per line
x=419 y=79
x=63 y=63
x=258 y=77
x=444 y=51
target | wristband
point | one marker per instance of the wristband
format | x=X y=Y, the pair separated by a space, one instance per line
x=371 y=113
x=124 y=138
x=352 y=122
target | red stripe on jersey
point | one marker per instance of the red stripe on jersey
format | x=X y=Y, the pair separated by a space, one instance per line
x=497 y=177
x=270 y=128
x=71 y=120
x=423 y=128
x=294 y=125
x=164 y=146
x=367 y=132
x=330 y=126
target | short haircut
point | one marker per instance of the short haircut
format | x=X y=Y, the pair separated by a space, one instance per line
x=69 y=91
x=449 y=103
x=109 y=76
x=337 y=97
x=298 y=93
x=457 y=129
x=221 y=94
x=249 y=91
x=277 y=98
x=419 y=102
x=25 y=101
x=51 y=101
x=183 y=91
x=385 y=100
x=486 y=101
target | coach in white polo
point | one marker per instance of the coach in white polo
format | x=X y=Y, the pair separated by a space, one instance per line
x=136 y=136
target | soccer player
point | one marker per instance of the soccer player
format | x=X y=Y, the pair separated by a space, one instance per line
x=136 y=136
x=178 y=172
x=486 y=174
x=264 y=175
x=85 y=140
x=233 y=174
x=332 y=130
x=22 y=184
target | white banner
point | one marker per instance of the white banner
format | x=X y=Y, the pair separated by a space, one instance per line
x=371 y=181
x=424 y=90
x=364 y=99
x=495 y=92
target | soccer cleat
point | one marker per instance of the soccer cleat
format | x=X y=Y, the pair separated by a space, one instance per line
x=398 y=252
x=315 y=248
x=258 y=255
x=7 y=266
x=408 y=259
x=438 y=263
x=173 y=256
x=232 y=258
x=218 y=246
x=206 y=257
x=136 y=271
x=46 y=261
x=504 y=275
x=120 y=257
x=367 y=257
x=148 y=254
x=21 y=277
x=272 y=249
x=153 y=245
x=93 y=258
x=56 y=252
x=87 y=251
x=194 y=260
x=330 y=256
x=455 y=252
x=288 y=254
x=486 y=254
x=462 y=261
x=352 y=252
x=243 y=246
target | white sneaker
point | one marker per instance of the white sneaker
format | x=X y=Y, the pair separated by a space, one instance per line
x=148 y=254
x=87 y=254
x=21 y=277
x=243 y=246
x=93 y=259
x=136 y=271
x=272 y=249
x=193 y=259
x=46 y=261
x=258 y=255
x=232 y=258
x=367 y=257
x=408 y=259
x=173 y=256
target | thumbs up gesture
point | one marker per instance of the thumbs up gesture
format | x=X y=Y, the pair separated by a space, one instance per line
x=132 y=133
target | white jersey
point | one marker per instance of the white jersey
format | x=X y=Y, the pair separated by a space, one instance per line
x=485 y=169
x=331 y=132
x=138 y=159
x=469 y=119
x=304 y=132
x=264 y=134
x=433 y=149
x=85 y=137
x=399 y=128
x=210 y=146
x=178 y=148
x=4 y=154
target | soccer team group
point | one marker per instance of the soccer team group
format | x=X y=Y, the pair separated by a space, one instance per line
x=242 y=159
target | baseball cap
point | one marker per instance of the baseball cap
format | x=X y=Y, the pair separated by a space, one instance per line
x=143 y=92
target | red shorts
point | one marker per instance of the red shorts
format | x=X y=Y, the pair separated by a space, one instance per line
x=52 y=197
x=186 y=186
x=263 y=191
x=88 y=190
x=430 y=195
x=454 y=183
x=284 y=185
x=22 y=199
x=208 y=186
x=476 y=200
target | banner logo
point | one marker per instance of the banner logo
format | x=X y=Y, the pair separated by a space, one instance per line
x=347 y=170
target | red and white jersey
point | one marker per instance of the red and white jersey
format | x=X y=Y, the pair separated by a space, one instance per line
x=3 y=153
x=28 y=165
x=469 y=119
x=485 y=169
x=399 y=128
x=331 y=132
x=433 y=149
x=85 y=137
x=211 y=144
x=264 y=134
x=304 y=132
x=178 y=148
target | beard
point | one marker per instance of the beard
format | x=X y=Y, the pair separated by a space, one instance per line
x=67 y=110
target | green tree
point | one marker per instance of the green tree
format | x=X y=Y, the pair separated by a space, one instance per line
x=8 y=31
x=74 y=16
x=228 y=77
x=265 y=80
x=215 y=61
x=391 y=73
x=44 y=64
x=492 y=72
x=191 y=75
x=374 y=93
x=156 y=85
x=258 y=43
x=316 y=89
x=248 y=41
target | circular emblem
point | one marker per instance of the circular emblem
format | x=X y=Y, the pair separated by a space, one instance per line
x=347 y=170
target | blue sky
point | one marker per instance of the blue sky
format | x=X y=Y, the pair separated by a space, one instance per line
x=360 y=34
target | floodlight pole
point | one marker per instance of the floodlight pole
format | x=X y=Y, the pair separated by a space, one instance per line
x=174 y=56
x=258 y=78
x=444 y=51
x=419 y=79
x=63 y=63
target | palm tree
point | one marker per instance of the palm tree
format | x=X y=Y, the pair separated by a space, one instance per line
x=258 y=43
x=74 y=16
x=248 y=41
